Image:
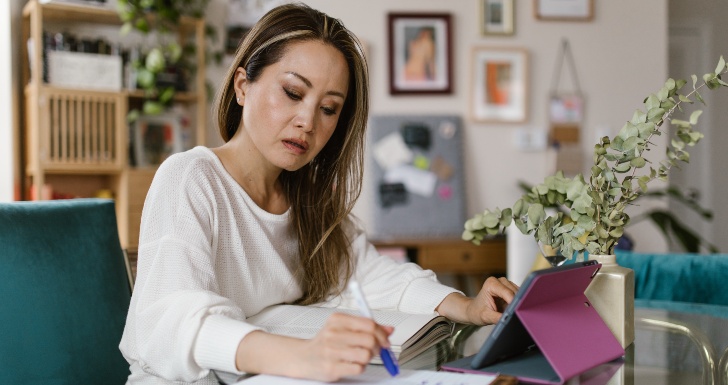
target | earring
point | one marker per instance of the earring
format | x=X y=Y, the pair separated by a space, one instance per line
x=237 y=99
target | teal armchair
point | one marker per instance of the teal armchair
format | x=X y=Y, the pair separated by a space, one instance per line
x=65 y=292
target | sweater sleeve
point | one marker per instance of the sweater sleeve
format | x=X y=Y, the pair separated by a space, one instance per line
x=180 y=326
x=390 y=285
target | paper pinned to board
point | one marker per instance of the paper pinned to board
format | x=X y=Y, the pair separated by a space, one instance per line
x=391 y=151
x=416 y=181
x=377 y=374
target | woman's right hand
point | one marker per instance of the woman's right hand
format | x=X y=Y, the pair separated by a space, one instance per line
x=343 y=347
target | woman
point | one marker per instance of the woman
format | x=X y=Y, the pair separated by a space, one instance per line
x=264 y=220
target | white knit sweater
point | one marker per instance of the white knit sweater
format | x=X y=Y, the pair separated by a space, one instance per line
x=209 y=257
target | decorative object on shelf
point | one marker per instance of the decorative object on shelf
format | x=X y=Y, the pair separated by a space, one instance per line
x=497 y=17
x=566 y=108
x=594 y=215
x=420 y=53
x=500 y=85
x=155 y=138
x=564 y=10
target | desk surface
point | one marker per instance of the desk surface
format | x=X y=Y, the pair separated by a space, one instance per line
x=669 y=348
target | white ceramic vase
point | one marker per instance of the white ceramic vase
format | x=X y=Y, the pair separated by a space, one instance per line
x=612 y=295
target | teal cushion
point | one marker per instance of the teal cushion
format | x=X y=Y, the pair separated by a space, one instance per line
x=694 y=278
x=65 y=293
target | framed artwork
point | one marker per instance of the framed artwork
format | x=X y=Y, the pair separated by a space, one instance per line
x=565 y=10
x=155 y=138
x=497 y=17
x=420 y=53
x=500 y=85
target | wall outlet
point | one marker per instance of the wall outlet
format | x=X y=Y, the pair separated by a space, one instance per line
x=529 y=139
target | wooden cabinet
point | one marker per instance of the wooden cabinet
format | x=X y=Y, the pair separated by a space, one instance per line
x=463 y=259
x=77 y=140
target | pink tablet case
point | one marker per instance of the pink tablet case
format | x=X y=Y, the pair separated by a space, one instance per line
x=563 y=324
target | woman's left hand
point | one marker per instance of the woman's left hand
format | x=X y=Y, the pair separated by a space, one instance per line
x=486 y=308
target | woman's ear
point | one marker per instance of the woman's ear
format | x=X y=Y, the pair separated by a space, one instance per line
x=240 y=82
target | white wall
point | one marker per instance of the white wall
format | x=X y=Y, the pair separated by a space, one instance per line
x=620 y=56
x=8 y=101
x=701 y=23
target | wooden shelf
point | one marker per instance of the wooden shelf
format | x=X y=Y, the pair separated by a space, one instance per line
x=77 y=140
x=61 y=11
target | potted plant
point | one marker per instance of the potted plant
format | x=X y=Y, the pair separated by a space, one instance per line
x=166 y=54
x=595 y=207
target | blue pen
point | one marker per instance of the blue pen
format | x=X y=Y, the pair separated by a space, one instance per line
x=388 y=358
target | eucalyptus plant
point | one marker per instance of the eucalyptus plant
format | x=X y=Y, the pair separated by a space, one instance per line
x=594 y=217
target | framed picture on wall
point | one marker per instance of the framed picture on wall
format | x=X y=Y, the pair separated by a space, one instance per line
x=420 y=53
x=500 y=85
x=497 y=17
x=565 y=10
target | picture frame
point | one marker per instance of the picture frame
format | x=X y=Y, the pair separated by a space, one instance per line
x=420 y=53
x=497 y=17
x=155 y=138
x=500 y=85
x=564 y=10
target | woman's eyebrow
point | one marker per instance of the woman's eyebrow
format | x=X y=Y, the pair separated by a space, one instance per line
x=310 y=85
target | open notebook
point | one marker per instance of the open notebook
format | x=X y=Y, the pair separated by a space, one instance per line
x=413 y=333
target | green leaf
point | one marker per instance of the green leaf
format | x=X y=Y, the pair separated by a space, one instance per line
x=166 y=96
x=652 y=102
x=132 y=116
x=125 y=29
x=638 y=117
x=700 y=97
x=622 y=168
x=638 y=162
x=721 y=65
x=155 y=61
x=616 y=232
x=631 y=143
x=684 y=98
x=695 y=80
x=536 y=213
x=152 y=107
x=643 y=185
x=655 y=114
x=670 y=84
x=694 y=117
x=490 y=220
x=679 y=83
x=145 y=78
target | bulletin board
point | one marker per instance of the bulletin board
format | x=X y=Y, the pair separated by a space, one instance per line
x=417 y=176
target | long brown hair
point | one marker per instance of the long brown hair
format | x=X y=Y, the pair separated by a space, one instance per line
x=323 y=192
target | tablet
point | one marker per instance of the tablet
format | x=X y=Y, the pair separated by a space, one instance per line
x=549 y=333
x=510 y=338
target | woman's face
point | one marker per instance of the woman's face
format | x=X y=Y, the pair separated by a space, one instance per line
x=292 y=109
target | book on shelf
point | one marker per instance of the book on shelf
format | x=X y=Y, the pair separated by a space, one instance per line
x=413 y=333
